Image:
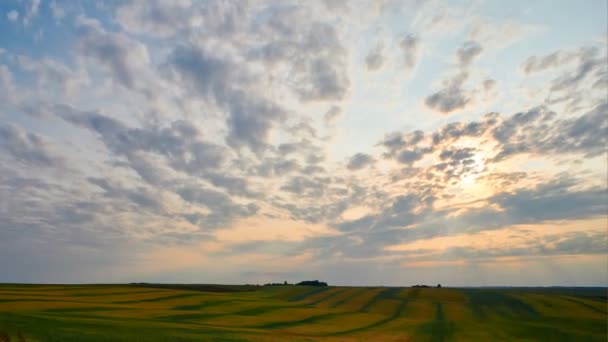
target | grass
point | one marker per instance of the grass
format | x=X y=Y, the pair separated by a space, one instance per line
x=298 y=313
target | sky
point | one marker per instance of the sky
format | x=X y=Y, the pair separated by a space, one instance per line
x=354 y=142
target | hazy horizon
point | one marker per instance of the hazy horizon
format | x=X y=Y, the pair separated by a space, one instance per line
x=354 y=142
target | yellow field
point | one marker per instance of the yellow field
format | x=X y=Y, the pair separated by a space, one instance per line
x=300 y=313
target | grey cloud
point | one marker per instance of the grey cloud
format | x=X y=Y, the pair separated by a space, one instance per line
x=537 y=131
x=233 y=185
x=158 y=18
x=489 y=84
x=167 y=19
x=411 y=156
x=456 y=130
x=314 y=52
x=27 y=147
x=204 y=73
x=143 y=198
x=409 y=46
x=578 y=243
x=468 y=52
x=125 y=58
x=285 y=166
x=332 y=115
x=250 y=121
x=359 y=161
x=375 y=58
x=457 y=154
x=554 y=200
x=223 y=209
x=50 y=73
x=327 y=81
x=250 y=116
x=587 y=64
x=325 y=198
x=534 y=64
x=180 y=143
x=313 y=187
x=547 y=202
x=452 y=97
x=397 y=141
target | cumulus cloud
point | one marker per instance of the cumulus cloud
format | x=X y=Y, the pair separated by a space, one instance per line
x=375 y=58
x=180 y=143
x=451 y=97
x=12 y=15
x=332 y=115
x=359 y=161
x=27 y=147
x=534 y=64
x=250 y=115
x=527 y=132
x=410 y=46
x=125 y=58
x=468 y=52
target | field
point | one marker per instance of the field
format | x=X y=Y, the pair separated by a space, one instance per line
x=299 y=313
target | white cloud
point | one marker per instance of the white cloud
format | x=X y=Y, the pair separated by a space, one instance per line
x=12 y=15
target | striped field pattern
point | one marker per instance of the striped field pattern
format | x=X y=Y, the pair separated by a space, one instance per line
x=299 y=313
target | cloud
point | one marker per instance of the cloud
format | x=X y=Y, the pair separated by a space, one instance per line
x=451 y=97
x=410 y=48
x=326 y=81
x=12 y=15
x=57 y=11
x=406 y=218
x=588 y=63
x=125 y=58
x=250 y=115
x=180 y=143
x=468 y=52
x=157 y=18
x=375 y=58
x=535 y=64
x=250 y=121
x=527 y=132
x=222 y=209
x=144 y=198
x=31 y=12
x=359 y=161
x=27 y=147
x=51 y=73
x=332 y=115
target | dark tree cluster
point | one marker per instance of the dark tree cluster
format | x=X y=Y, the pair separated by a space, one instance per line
x=312 y=283
x=427 y=286
x=277 y=284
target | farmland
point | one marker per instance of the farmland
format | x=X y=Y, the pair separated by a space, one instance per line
x=299 y=313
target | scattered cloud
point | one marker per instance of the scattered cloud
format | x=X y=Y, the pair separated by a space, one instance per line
x=12 y=15
x=359 y=161
x=410 y=46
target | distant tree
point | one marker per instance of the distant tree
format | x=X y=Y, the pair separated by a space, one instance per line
x=439 y=286
x=312 y=283
x=285 y=282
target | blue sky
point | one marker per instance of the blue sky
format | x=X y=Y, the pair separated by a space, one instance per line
x=358 y=142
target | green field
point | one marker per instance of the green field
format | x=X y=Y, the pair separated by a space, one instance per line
x=299 y=313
